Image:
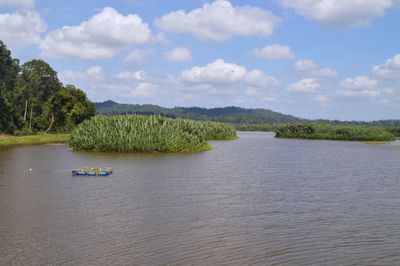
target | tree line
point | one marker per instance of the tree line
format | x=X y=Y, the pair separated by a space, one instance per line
x=32 y=99
x=231 y=114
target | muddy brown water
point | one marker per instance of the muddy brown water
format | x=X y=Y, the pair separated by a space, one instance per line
x=257 y=200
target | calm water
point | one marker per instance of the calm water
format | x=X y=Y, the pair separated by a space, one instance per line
x=257 y=200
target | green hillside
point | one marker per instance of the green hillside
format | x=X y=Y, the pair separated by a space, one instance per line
x=231 y=114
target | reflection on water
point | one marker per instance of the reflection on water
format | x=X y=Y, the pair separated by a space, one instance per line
x=256 y=200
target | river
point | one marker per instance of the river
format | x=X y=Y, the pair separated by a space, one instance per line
x=257 y=200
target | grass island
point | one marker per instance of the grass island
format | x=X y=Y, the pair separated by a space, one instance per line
x=155 y=133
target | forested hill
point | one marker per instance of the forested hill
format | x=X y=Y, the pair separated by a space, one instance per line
x=230 y=114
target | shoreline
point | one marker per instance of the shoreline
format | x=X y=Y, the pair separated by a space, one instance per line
x=6 y=140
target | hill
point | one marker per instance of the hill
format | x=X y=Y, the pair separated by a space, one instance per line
x=231 y=114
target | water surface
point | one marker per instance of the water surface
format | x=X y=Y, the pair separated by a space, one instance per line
x=254 y=201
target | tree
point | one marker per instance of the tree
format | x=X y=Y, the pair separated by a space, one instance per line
x=36 y=84
x=8 y=73
x=7 y=118
x=66 y=109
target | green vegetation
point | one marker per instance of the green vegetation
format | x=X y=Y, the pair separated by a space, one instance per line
x=33 y=140
x=217 y=131
x=232 y=115
x=136 y=133
x=259 y=127
x=333 y=132
x=33 y=100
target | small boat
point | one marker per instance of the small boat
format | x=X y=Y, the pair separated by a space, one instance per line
x=92 y=171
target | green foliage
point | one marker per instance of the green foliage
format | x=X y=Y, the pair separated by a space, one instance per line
x=7 y=118
x=36 y=83
x=136 y=133
x=333 y=132
x=258 y=127
x=233 y=115
x=67 y=108
x=217 y=131
x=395 y=131
x=8 y=68
x=32 y=99
x=8 y=73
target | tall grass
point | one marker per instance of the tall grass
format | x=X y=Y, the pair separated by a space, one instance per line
x=136 y=133
x=333 y=132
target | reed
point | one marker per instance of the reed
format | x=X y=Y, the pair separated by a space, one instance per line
x=333 y=132
x=137 y=133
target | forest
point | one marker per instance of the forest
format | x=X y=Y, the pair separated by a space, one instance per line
x=33 y=100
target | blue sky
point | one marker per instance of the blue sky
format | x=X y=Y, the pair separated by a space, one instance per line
x=335 y=59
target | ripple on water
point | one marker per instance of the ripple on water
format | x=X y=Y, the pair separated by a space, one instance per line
x=254 y=201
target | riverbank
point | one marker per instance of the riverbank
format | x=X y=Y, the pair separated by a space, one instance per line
x=6 y=140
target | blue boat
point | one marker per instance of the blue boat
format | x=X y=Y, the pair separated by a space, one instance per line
x=92 y=171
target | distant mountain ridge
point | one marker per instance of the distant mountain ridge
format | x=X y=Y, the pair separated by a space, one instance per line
x=230 y=114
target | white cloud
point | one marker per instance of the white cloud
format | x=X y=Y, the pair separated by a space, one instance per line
x=18 y=3
x=220 y=72
x=257 y=78
x=220 y=21
x=137 y=56
x=359 y=86
x=95 y=72
x=305 y=65
x=307 y=85
x=101 y=85
x=178 y=54
x=340 y=13
x=251 y=91
x=389 y=91
x=271 y=97
x=389 y=70
x=21 y=28
x=102 y=36
x=137 y=75
x=143 y=89
x=217 y=71
x=322 y=99
x=274 y=51
x=312 y=69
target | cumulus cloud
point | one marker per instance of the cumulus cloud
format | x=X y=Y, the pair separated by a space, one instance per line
x=307 y=85
x=122 y=86
x=21 y=28
x=137 y=75
x=143 y=89
x=220 y=21
x=312 y=69
x=389 y=70
x=217 y=71
x=138 y=57
x=257 y=78
x=221 y=72
x=18 y=3
x=274 y=51
x=340 y=13
x=102 y=36
x=251 y=91
x=92 y=73
x=360 y=86
x=178 y=54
